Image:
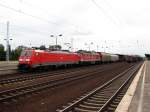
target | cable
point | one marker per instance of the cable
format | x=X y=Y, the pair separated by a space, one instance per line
x=19 y=11
x=37 y=7
x=105 y=13
x=110 y=7
x=77 y=28
x=44 y=10
x=36 y=17
x=26 y=29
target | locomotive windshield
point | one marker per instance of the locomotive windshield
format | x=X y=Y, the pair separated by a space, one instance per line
x=26 y=53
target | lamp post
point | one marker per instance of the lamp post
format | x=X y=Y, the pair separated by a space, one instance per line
x=7 y=43
x=56 y=36
x=89 y=45
x=7 y=49
x=68 y=45
x=97 y=48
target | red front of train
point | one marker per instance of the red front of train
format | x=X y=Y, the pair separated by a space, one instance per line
x=38 y=58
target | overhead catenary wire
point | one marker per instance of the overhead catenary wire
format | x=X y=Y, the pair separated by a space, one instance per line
x=111 y=8
x=37 y=7
x=19 y=11
x=104 y=12
x=24 y=28
x=39 y=18
x=47 y=12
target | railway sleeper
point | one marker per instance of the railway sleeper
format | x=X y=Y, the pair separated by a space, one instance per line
x=116 y=102
x=12 y=94
x=94 y=104
x=96 y=101
x=113 y=105
x=4 y=96
x=119 y=97
x=14 y=100
x=99 y=96
x=110 y=109
x=87 y=107
x=121 y=93
x=6 y=103
x=101 y=92
x=83 y=110
x=95 y=98
x=110 y=89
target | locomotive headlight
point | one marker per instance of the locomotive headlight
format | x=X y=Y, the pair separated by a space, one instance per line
x=20 y=59
x=27 y=59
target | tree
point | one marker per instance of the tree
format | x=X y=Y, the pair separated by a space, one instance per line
x=42 y=47
x=1 y=47
x=16 y=53
x=2 y=53
x=54 y=47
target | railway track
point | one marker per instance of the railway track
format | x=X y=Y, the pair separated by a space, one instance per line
x=9 y=95
x=6 y=72
x=23 y=76
x=104 y=98
x=27 y=77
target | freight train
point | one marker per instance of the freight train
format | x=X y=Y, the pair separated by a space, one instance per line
x=33 y=59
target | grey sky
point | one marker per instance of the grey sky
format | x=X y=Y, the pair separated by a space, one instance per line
x=123 y=24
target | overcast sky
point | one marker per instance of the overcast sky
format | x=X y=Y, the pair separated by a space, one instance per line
x=116 y=26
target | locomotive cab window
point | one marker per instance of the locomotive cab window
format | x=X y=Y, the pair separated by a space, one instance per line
x=26 y=53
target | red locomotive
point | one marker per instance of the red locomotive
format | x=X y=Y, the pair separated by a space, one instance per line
x=89 y=57
x=41 y=58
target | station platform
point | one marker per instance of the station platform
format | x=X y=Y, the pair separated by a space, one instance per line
x=8 y=63
x=5 y=64
x=137 y=97
x=8 y=67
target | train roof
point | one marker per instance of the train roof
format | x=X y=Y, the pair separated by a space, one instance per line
x=60 y=52
x=57 y=51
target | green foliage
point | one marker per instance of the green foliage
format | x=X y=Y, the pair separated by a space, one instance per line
x=42 y=47
x=1 y=48
x=2 y=53
x=54 y=47
x=16 y=53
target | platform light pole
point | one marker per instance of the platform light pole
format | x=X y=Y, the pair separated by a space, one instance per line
x=72 y=44
x=68 y=45
x=7 y=43
x=97 y=48
x=56 y=36
x=89 y=45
